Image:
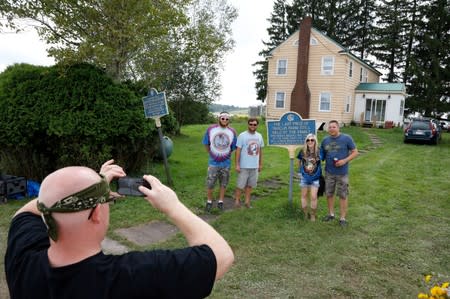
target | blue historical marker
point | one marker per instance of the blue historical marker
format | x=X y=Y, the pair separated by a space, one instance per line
x=290 y=132
x=290 y=129
x=155 y=104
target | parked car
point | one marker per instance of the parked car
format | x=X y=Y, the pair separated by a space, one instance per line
x=424 y=130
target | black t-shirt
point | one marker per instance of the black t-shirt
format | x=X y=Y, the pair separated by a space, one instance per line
x=181 y=273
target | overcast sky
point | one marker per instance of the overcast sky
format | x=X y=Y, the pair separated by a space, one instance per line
x=238 y=82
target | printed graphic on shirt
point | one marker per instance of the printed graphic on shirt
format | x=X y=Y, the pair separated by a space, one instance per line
x=333 y=147
x=253 y=148
x=220 y=143
x=310 y=164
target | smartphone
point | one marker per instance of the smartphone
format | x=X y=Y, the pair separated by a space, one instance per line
x=130 y=186
x=146 y=184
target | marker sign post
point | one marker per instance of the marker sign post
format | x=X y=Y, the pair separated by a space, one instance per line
x=155 y=106
x=290 y=132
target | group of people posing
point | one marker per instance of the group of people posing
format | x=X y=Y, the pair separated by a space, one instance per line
x=337 y=150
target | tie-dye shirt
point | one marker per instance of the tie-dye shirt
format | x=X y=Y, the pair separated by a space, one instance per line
x=222 y=142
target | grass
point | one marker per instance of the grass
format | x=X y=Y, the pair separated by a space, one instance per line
x=399 y=218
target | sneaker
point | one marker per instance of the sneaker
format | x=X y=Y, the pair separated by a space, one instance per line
x=328 y=218
x=208 y=206
x=343 y=223
x=220 y=205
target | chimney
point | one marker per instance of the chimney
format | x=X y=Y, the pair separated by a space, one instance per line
x=301 y=96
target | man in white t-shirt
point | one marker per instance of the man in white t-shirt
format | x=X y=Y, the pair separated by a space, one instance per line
x=248 y=161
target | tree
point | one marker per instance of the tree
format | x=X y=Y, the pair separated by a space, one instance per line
x=300 y=9
x=413 y=17
x=194 y=76
x=357 y=33
x=430 y=75
x=390 y=45
x=172 y=45
x=108 y=33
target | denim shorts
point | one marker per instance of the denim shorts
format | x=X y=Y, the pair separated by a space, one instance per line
x=308 y=183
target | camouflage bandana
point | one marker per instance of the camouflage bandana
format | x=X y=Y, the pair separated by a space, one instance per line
x=83 y=200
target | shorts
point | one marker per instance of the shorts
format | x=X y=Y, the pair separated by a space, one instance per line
x=247 y=177
x=336 y=184
x=217 y=173
x=304 y=183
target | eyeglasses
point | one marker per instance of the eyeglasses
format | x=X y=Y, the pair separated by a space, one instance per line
x=110 y=199
x=223 y=118
x=253 y=125
x=310 y=140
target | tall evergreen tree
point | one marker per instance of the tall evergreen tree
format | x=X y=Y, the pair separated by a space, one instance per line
x=391 y=42
x=430 y=65
x=358 y=32
x=300 y=9
x=413 y=18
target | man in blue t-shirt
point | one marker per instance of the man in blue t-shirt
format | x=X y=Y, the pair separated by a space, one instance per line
x=219 y=141
x=337 y=150
x=248 y=161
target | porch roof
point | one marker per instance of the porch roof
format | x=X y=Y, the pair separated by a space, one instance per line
x=381 y=87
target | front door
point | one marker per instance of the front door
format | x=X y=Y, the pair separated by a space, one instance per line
x=375 y=110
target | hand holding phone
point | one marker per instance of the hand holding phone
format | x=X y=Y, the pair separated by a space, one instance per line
x=130 y=186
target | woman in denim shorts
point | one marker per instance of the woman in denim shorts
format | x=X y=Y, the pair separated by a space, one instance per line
x=310 y=170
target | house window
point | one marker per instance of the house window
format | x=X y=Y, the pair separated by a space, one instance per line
x=363 y=75
x=402 y=107
x=327 y=65
x=325 y=101
x=348 y=103
x=282 y=67
x=350 y=69
x=279 y=99
x=313 y=41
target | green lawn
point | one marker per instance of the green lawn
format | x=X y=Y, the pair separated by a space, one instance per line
x=399 y=217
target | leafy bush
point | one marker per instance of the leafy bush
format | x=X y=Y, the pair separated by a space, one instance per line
x=56 y=116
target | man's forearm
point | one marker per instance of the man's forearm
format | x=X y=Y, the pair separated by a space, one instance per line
x=198 y=232
x=353 y=155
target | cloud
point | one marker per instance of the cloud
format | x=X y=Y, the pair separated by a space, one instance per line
x=25 y=47
x=249 y=30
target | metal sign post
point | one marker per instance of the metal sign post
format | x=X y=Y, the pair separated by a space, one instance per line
x=290 y=132
x=155 y=106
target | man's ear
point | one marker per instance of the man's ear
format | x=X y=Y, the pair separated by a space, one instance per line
x=96 y=214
